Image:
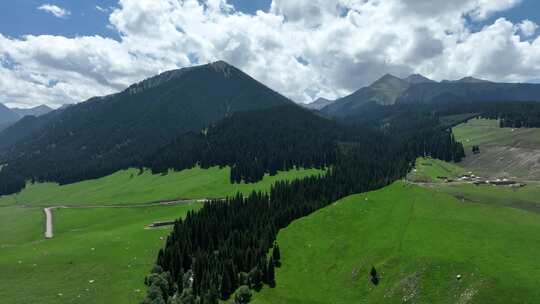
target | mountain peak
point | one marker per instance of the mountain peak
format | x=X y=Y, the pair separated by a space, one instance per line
x=319 y=103
x=418 y=78
x=218 y=66
x=222 y=67
x=468 y=79
x=388 y=77
x=471 y=79
x=389 y=80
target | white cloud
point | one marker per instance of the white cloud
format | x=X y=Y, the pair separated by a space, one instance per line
x=528 y=28
x=55 y=10
x=102 y=9
x=303 y=49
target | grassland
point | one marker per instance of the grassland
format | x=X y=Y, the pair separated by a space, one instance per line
x=523 y=198
x=128 y=187
x=106 y=246
x=505 y=152
x=419 y=240
x=429 y=170
x=109 y=246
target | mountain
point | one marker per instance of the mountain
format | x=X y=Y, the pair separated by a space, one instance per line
x=318 y=104
x=416 y=88
x=35 y=111
x=417 y=78
x=10 y=116
x=468 y=79
x=65 y=106
x=104 y=134
x=7 y=115
x=3 y=126
x=384 y=91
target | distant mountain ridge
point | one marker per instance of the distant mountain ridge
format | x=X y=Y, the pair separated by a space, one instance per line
x=416 y=88
x=9 y=116
x=417 y=78
x=35 y=111
x=384 y=91
x=318 y=104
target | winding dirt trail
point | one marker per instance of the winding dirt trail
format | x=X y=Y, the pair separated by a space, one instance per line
x=49 y=225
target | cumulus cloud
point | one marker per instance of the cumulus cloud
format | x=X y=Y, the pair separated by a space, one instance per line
x=303 y=49
x=528 y=28
x=55 y=10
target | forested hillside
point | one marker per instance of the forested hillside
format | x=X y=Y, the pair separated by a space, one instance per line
x=226 y=245
x=253 y=143
x=106 y=134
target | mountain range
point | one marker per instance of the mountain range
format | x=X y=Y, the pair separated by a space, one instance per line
x=105 y=134
x=318 y=104
x=390 y=90
x=11 y=115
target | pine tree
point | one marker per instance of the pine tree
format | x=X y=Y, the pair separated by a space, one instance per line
x=374 y=276
x=276 y=255
x=226 y=286
x=271 y=280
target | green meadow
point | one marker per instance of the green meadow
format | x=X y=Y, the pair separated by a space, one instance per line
x=100 y=255
x=419 y=240
x=129 y=187
x=488 y=132
x=97 y=255
x=523 y=198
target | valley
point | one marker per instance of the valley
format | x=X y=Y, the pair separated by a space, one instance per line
x=369 y=198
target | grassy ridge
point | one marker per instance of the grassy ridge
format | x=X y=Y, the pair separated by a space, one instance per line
x=419 y=240
x=488 y=132
x=128 y=187
x=36 y=271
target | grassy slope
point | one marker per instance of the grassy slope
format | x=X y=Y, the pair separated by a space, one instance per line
x=127 y=187
x=428 y=170
x=419 y=240
x=504 y=151
x=524 y=198
x=123 y=255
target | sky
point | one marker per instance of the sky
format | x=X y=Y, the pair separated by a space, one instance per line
x=56 y=52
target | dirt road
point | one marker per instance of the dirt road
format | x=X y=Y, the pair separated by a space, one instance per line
x=49 y=225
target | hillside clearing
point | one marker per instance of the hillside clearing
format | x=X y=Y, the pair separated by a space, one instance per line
x=504 y=152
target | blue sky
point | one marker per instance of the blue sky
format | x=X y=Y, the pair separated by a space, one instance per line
x=22 y=17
